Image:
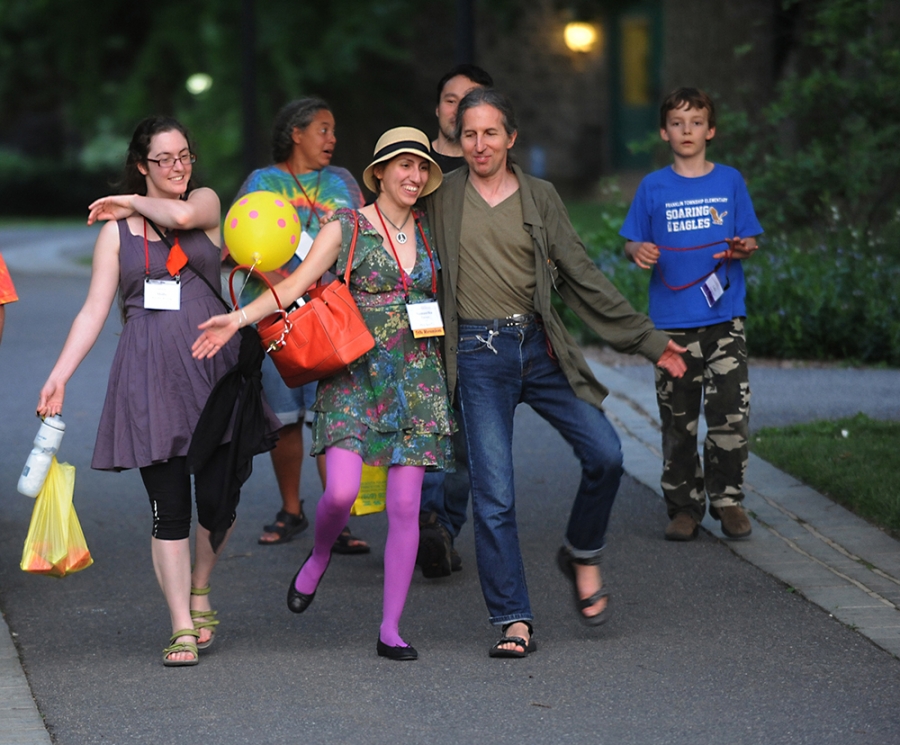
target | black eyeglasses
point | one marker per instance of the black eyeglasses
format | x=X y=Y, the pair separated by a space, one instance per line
x=167 y=163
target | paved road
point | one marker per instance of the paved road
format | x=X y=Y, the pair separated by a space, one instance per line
x=703 y=646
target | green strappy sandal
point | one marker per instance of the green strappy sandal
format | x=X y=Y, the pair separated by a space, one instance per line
x=181 y=647
x=208 y=619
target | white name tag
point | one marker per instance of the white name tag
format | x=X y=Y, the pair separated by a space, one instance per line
x=425 y=319
x=303 y=247
x=712 y=290
x=162 y=294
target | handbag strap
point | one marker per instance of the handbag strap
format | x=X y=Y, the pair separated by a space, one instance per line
x=209 y=284
x=271 y=287
x=352 y=249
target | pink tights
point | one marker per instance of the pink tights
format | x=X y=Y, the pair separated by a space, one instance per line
x=404 y=493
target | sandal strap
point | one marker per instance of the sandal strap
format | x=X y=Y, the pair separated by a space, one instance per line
x=200 y=590
x=185 y=632
x=180 y=647
x=517 y=640
x=288 y=519
x=586 y=603
x=209 y=615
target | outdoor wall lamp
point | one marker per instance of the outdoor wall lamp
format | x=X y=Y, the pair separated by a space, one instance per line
x=580 y=36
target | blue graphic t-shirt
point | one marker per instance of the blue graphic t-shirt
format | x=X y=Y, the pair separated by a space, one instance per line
x=675 y=212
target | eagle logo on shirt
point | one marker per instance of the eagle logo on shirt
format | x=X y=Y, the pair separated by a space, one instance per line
x=717 y=218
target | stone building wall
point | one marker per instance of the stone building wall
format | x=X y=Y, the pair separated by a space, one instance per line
x=563 y=99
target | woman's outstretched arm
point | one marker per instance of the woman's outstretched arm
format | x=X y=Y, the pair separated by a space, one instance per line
x=322 y=255
x=201 y=210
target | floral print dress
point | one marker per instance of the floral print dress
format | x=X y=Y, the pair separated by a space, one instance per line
x=390 y=406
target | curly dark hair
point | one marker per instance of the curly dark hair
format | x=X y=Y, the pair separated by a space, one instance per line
x=133 y=181
x=295 y=115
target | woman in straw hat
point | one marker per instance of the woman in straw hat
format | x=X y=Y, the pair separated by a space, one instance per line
x=390 y=407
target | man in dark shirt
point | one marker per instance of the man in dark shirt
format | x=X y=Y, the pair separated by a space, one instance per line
x=450 y=90
x=446 y=498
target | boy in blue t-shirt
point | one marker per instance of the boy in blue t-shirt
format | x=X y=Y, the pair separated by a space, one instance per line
x=691 y=224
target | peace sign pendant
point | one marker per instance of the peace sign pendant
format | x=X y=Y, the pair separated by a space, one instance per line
x=401 y=238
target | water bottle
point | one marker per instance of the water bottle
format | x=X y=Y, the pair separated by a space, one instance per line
x=46 y=443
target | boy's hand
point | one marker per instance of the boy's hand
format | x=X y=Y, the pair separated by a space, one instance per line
x=645 y=254
x=671 y=360
x=738 y=248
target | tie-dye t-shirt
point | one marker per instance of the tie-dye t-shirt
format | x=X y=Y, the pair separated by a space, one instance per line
x=325 y=191
x=7 y=289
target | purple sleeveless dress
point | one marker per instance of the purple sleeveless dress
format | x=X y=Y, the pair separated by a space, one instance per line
x=156 y=390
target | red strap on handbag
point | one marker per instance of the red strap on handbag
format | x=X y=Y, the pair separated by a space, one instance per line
x=319 y=338
x=264 y=278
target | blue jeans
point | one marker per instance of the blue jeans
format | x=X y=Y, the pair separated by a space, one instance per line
x=499 y=368
x=447 y=493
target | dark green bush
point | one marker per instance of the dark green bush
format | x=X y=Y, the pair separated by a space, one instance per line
x=47 y=188
x=823 y=300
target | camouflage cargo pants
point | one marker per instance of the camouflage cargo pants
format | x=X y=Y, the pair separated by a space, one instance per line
x=717 y=375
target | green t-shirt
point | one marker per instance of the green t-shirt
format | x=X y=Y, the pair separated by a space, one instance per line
x=496 y=259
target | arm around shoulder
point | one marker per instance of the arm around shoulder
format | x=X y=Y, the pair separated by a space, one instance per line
x=200 y=211
x=322 y=255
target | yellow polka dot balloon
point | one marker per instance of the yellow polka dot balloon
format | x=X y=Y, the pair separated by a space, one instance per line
x=262 y=229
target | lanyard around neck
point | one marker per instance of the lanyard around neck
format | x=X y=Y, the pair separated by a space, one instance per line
x=176 y=260
x=310 y=202
x=726 y=262
x=397 y=258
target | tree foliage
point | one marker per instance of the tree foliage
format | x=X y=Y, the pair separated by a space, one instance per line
x=825 y=153
x=95 y=70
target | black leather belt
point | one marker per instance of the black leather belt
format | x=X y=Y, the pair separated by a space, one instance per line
x=519 y=319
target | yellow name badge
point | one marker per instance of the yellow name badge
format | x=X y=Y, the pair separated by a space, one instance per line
x=425 y=319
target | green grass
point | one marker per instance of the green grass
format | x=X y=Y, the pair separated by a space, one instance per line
x=853 y=461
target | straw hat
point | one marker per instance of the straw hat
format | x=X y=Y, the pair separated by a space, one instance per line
x=403 y=140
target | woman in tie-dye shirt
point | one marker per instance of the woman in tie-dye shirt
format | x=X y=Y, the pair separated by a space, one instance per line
x=303 y=141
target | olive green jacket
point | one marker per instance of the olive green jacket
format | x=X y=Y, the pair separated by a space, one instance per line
x=562 y=264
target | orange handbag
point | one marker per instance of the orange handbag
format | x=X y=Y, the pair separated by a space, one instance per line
x=319 y=338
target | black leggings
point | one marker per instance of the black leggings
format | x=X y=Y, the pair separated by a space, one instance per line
x=168 y=485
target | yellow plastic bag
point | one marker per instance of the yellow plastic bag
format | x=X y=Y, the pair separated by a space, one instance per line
x=55 y=544
x=372 y=489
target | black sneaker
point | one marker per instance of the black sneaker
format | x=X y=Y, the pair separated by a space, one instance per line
x=455 y=560
x=434 y=556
